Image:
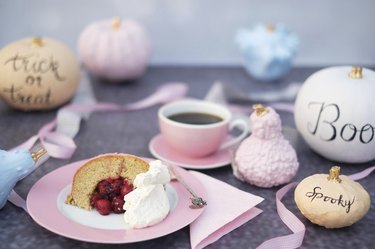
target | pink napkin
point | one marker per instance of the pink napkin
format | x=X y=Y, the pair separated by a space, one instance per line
x=220 y=215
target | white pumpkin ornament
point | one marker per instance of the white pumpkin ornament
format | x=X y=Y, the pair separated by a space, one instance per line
x=115 y=50
x=335 y=113
x=37 y=74
x=332 y=201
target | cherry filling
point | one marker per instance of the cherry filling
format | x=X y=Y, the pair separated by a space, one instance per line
x=109 y=195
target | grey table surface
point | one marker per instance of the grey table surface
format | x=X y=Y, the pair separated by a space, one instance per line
x=131 y=132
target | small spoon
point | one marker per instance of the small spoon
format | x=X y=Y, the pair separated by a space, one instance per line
x=197 y=202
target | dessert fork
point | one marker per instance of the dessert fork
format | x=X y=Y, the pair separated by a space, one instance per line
x=196 y=201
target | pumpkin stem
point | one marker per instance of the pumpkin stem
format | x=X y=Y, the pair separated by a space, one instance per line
x=116 y=23
x=37 y=42
x=260 y=110
x=270 y=27
x=334 y=174
x=356 y=73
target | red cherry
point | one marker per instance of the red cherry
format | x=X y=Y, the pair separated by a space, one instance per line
x=126 y=188
x=103 y=206
x=109 y=179
x=110 y=195
x=126 y=182
x=94 y=198
x=117 y=205
x=116 y=186
x=103 y=187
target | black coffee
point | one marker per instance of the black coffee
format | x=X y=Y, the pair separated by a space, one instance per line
x=195 y=118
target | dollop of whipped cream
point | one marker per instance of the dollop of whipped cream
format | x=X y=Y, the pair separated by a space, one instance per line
x=157 y=173
x=148 y=203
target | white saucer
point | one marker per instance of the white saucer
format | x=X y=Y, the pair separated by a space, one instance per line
x=161 y=150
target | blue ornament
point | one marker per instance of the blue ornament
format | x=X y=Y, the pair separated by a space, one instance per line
x=14 y=166
x=268 y=50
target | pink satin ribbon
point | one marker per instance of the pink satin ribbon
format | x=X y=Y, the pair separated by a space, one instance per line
x=57 y=145
x=293 y=240
x=61 y=146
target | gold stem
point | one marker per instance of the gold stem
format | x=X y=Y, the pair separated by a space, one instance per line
x=37 y=42
x=270 y=28
x=116 y=23
x=356 y=73
x=38 y=154
x=334 y=174
x=260 y=110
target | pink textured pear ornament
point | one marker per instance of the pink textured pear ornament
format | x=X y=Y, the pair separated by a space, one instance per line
x=265 y=159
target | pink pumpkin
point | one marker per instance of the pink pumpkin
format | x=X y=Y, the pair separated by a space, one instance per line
x=115 y=50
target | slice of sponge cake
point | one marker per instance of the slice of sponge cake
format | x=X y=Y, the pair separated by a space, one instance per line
x=100 y=168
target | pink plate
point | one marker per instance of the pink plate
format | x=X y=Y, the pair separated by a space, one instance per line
x=161 y=150
x=44 y=206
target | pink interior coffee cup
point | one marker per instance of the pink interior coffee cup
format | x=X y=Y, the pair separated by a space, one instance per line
x=198 y=128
